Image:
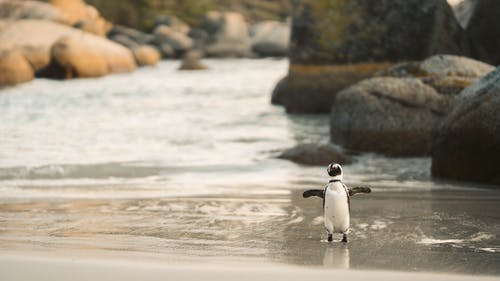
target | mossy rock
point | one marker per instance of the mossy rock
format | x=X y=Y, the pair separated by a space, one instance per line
x=350 y=31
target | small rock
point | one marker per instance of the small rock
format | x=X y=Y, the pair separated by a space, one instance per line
x=192 y=61
x=227 y=35
x=146 y=55
x=137 y=36
x=173 y=22
x=124 y=40
x=270 y=38
x=178 y=41
x=315 y=154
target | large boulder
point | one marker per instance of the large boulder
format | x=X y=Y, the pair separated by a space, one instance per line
x=270 y=38
x=86 y=17
x=179 y=42
x=315 y=154
x=312 y=88
x=394 y=116
x=16 y=10
x=34 y=38
x=335 y=44
x=14 y=68
x=398 y=113
x=483 y=27
x=88 y=55
x=467 y=146
x=227 y=35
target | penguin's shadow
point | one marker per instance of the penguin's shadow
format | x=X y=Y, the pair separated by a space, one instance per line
x=336 y=256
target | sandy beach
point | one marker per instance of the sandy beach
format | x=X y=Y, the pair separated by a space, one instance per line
x=119 y=198
x=19 y=268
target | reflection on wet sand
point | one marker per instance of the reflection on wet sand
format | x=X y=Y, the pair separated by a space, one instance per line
x=337 y=256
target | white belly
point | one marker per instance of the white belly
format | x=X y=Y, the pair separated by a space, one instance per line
x=336 y=209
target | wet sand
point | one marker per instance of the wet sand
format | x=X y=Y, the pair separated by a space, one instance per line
x=443 y=231
x=29 y=268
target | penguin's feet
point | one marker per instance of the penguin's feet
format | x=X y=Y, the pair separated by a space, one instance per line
x=344 y=238
x=330 y=237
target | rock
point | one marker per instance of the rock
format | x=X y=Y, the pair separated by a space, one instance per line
x=124 y=40
x=199 y=36
x=335 y=44
x=447 y=74
x=279 y=91
x=146 y=55
x=17 y=10
x=315 y=154
x=88 y=55
x=270 y=38
x=75 y=10
x=463 y=11
x=467 y=146
x=227 y=35
x=192 y=61
x=364 y=31
x=82 y=16
x=98 y=26
x=137 y=36
x=398 y=115
x=484 y=30
x=393 y=116
x=166 y=50
x=312 y=88
x=14 y=68
x=179 y=42
x=173 y=22
x=34 y=38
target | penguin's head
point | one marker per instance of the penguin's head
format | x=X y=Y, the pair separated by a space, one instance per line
x=335 y=171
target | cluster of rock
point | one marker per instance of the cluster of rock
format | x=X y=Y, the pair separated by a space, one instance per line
x=335 y=44
x=63 y=39
x=68 y=38
x=399 y=112
x=219 y=34
x=377 y=69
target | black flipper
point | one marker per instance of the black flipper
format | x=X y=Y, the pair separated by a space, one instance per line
x=356 y=190
x=314 y=192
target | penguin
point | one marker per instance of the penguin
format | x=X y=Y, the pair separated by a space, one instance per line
x=336 y=202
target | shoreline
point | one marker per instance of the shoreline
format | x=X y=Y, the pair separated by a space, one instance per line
x=24 y=267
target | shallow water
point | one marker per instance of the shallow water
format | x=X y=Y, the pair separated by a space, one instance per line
x=180 y=166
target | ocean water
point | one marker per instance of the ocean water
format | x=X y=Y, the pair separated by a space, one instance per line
x=181 y=166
